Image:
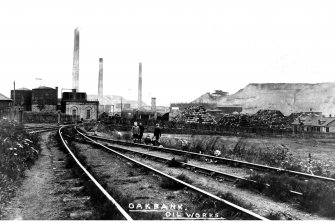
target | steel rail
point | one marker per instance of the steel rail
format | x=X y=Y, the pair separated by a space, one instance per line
x=203 y=170
x=43 y=130
x=241 y=209
x=122 y=211
x=223 y=160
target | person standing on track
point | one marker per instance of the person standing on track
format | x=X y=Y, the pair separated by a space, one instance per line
x=141 y=131
x=135 y=131
x=157 y=134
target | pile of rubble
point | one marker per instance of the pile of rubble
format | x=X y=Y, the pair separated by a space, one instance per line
x=273 y=119
x=234 y=120
x=269 y=119
x=195 y=114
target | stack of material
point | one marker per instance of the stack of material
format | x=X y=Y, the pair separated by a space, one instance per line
x=195 y=114
x=272 y=119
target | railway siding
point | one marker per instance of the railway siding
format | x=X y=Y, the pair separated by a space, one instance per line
x=196 y=168
x=246 y=213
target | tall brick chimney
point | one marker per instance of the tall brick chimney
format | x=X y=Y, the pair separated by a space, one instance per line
x=75 y=70
x=153 y=107
x=101 y=82
x=153 y=104
x=140 y=87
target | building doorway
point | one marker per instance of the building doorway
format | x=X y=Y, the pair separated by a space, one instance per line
x=88 y=114
x=74 y=114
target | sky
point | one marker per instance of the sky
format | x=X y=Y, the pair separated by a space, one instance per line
x=186 y=48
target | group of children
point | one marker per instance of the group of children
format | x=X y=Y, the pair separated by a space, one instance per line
x=138 y=130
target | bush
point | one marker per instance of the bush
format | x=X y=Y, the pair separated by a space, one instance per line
x=18 y=149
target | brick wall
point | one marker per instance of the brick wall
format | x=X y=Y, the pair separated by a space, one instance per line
x=82 y=108
x=45 y=108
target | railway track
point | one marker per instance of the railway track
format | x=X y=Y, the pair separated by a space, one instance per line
x=247 y=214
x=40 y=129
x=221 y=160
x=218 y=175
x=97 y=184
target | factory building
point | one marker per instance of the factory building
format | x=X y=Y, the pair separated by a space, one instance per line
x=5 y=102
x=23 y=98
x=44 y=99
x=76 y=104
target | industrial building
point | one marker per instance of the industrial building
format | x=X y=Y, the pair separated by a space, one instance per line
x=5 y=102
x=23 y=98
x=76 y=103
x=44 y=99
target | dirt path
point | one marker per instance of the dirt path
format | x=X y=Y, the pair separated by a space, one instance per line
x=35 y=199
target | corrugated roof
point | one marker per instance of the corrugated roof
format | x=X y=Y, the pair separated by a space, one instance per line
x=4 y=98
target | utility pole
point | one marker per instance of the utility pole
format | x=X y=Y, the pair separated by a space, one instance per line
x=14 y=94
x=121 y=108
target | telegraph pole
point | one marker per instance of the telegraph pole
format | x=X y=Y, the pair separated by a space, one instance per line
x=121 y=108
x=14 y=94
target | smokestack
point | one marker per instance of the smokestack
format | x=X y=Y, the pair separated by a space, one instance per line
x=75 y=70
x=140 y=87
x=101 y=83
x=153 y=104
x=153 y=107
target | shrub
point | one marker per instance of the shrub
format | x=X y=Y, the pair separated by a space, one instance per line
x=18 y=149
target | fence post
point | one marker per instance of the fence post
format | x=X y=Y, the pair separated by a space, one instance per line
x=58 y=117
x=20 y=116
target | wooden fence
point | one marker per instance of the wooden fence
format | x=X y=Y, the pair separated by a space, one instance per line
x=36 y=117
x=211 y=129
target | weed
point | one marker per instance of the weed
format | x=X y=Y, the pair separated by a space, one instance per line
x=126 y=136
x=18 y=149
x=274 y=216
x=317 y=196
x=232 y=198
x=170 y=184
x=174 y=163
x=184 y=178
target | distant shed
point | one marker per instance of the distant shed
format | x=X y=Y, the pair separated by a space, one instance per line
x=5 y=102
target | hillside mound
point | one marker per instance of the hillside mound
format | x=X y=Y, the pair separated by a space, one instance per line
x=285 y=97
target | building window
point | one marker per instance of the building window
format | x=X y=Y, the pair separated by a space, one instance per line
x=74 y=112
x=327 y=129
x=88 y=114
